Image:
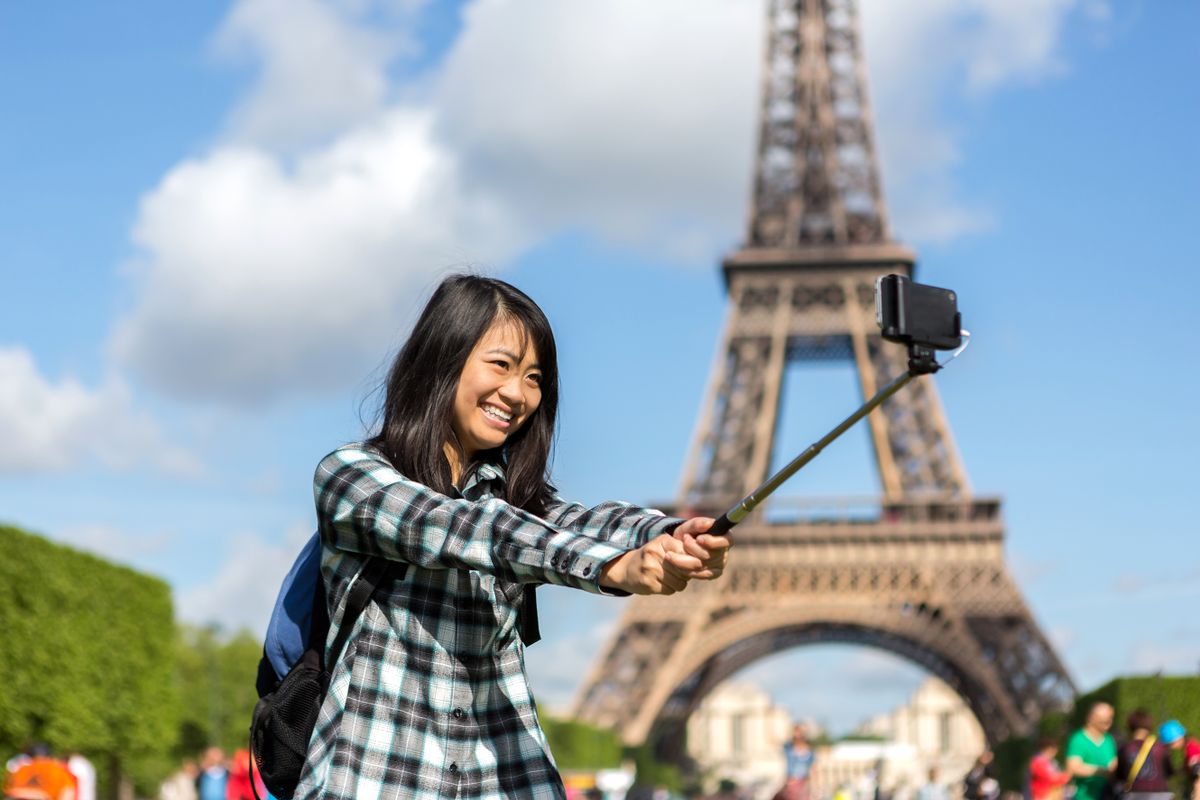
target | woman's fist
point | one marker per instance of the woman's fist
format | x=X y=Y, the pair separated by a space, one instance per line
x=661 y=566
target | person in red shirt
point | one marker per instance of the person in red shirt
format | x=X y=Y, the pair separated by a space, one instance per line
x=1046 y=778
x=1173 y=735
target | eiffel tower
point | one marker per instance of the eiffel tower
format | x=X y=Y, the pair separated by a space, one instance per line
x=920 y=571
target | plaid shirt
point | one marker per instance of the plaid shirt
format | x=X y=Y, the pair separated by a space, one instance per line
x=430 y=699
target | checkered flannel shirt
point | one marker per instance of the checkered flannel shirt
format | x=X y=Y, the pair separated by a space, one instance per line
x=429 y=698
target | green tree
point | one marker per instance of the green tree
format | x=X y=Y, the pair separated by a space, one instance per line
x=214 y=680
x=579 y=746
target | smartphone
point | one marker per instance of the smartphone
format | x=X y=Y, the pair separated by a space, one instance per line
x=917 y=314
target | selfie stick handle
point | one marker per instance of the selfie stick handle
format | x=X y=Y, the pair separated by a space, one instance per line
x=736 y=514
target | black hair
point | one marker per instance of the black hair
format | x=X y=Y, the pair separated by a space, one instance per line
x=418 y=403
x=1139 y=719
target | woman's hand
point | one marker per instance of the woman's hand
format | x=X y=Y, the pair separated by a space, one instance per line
x=713 y=551
x=661 y=566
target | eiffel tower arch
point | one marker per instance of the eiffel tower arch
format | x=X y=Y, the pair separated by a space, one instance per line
x=919 y=571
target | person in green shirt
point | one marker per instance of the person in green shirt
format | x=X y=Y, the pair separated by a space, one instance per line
x=1092 y=754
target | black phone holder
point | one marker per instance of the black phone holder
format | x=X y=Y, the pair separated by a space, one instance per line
x=921 y=360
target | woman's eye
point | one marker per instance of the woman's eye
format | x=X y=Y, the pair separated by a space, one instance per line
x=501 y=363
x=535 y=378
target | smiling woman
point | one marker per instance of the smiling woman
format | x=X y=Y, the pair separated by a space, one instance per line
x=429 y=697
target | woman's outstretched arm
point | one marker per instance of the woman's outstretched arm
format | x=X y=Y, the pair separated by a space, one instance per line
x=364 y=505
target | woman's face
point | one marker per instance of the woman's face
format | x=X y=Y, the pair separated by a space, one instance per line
x=498 y=390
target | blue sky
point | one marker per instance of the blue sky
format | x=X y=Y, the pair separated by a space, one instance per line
x=221 y=217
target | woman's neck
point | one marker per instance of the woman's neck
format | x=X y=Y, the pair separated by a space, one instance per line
x=457 y=461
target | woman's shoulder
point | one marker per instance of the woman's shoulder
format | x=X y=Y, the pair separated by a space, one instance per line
x=352 y=462
x=353 y=453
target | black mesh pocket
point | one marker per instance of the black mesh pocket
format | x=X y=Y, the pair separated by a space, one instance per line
x=283 y=723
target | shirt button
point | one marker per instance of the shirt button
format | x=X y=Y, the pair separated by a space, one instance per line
x=459 y=713
x=454 y=767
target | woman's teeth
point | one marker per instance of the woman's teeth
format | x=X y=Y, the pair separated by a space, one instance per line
x=497 y=414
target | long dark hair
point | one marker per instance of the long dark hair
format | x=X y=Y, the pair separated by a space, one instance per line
x=418 y=404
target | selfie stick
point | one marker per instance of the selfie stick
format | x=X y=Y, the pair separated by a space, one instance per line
x=921 y=361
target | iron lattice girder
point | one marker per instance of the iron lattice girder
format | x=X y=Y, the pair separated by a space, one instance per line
x=816 y=178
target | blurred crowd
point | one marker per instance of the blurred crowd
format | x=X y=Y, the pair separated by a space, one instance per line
x=215 y=777
x=38 y=774
x=1146 y=762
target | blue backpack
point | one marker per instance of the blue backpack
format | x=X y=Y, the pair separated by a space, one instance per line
x=293 y=673
x=300 y=619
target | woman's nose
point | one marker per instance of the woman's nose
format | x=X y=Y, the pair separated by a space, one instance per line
x=512 y=391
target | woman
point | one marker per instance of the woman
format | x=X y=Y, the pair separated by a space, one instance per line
x=430 y=698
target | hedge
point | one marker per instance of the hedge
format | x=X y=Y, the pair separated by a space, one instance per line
x=87 y=651
x=1164 y=696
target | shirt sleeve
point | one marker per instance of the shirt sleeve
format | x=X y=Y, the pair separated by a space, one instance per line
x=365 y=506
x=621 y=524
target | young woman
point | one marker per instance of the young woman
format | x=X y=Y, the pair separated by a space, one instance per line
x=430 y=699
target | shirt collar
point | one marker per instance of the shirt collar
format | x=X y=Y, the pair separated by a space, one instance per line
x=481 y=479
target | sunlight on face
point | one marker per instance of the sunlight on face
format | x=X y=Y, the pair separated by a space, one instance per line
x=498 y=390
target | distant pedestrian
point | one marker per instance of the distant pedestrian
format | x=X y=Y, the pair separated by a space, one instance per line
x=931 y=789
x=1046 y=778
x=20 y=759
x=1092 y=754
x=1144 y=763
x=213 y=781
x=980 y=782
x=1175 y=736
x=85 y=775
x=182 y=784
x=798 y=758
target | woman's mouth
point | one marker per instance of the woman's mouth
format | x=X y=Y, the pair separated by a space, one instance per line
x=497 y=416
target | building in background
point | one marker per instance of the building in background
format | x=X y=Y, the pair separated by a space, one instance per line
x=937 y=730
x=737 y=734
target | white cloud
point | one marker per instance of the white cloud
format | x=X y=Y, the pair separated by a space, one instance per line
x=1180 y=656
x=115 y=544
x=53 y=426
x=323 y=67
x=242 y=593
x=260 y=278
x=631 y=118
x=267 y=270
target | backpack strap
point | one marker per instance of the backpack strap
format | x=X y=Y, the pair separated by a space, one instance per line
x=359 y=595
x=1139 y=762
x=527 y=616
